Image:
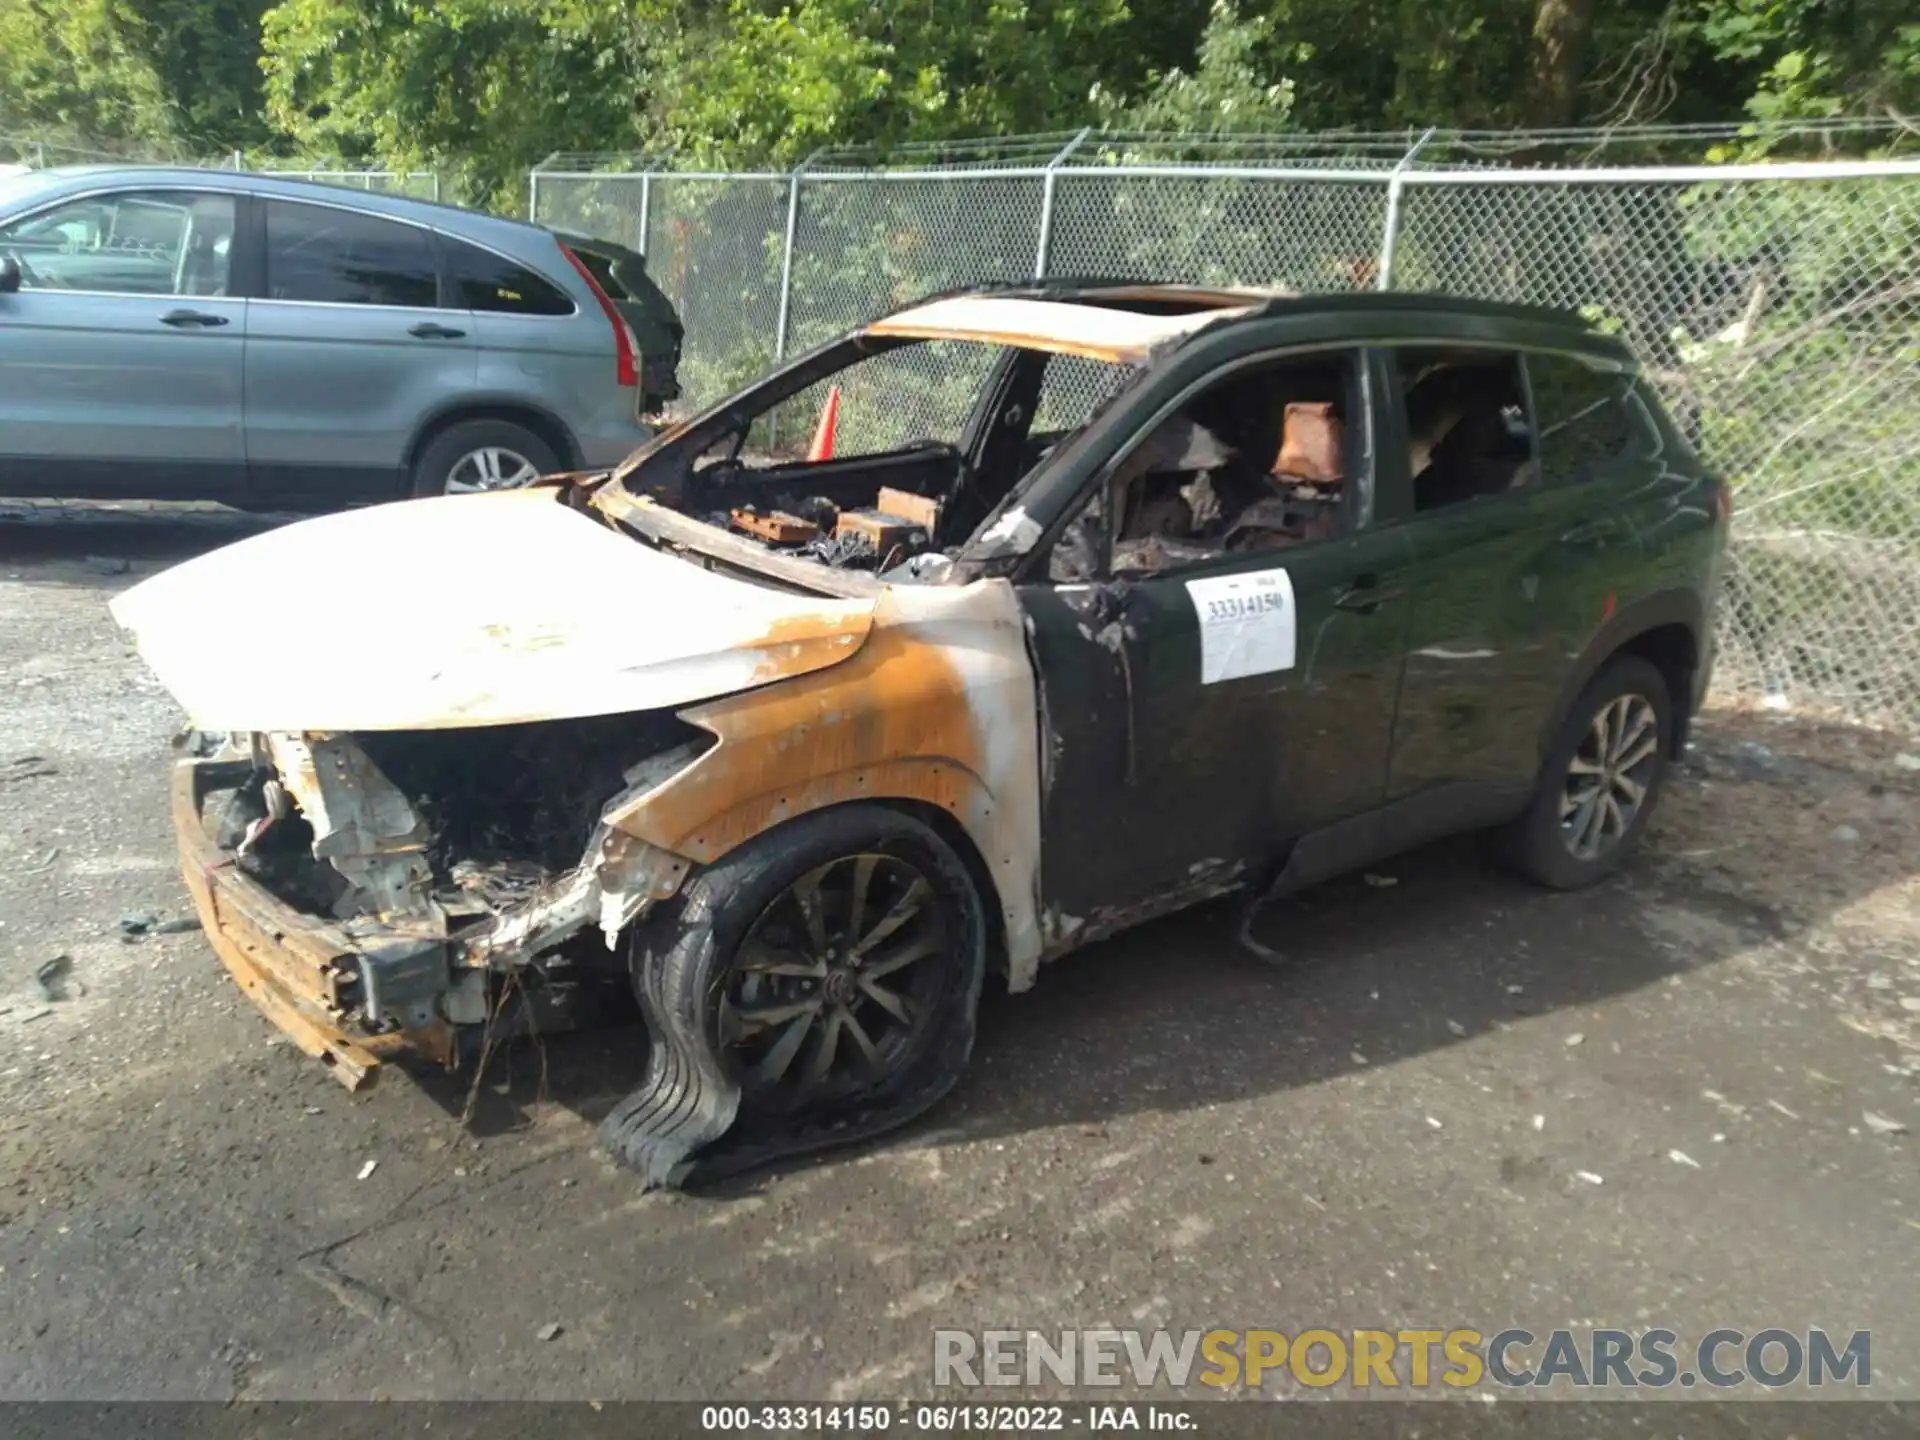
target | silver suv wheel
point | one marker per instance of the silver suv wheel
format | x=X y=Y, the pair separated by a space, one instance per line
x=491 y=467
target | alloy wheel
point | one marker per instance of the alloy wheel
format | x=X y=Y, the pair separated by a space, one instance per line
x=836 y=983
x=1609 y=776
x=492 y=467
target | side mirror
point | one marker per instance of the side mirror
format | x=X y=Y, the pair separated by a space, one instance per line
x=9 y=275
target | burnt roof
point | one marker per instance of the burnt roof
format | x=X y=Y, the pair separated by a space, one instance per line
x=1279 y=299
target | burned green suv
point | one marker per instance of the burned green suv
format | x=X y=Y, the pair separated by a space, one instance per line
x=1002 y=623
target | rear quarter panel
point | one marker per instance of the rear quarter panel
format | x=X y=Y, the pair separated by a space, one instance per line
x=1679 y=551
x=565 y=365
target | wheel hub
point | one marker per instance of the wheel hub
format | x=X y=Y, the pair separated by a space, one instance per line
x=839 y=986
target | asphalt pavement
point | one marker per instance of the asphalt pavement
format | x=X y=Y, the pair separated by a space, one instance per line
x=1456 y=1101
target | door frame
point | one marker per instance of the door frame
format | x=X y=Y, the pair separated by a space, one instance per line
x=1096 y=608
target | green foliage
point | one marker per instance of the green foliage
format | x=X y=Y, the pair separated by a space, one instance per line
x=1229 y=88
x=771 y=80
x=483 y=89
x=164 y=75
x=1817 y=57
x=480 y=88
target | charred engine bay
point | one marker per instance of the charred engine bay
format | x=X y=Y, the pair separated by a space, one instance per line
x=506 y=807
x=527 y=793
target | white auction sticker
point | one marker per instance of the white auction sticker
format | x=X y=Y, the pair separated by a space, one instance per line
x=1247 y=624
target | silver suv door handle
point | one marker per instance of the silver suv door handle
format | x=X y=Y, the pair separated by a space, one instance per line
x=427 y=330
x=184 y=318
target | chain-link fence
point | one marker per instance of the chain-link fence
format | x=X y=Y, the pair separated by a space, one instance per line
x=1776 y=307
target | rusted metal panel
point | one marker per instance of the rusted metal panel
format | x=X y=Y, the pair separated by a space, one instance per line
x=617 y=879
x=921 y=510
x=657 y=522
x=282 y=961
x=938 y=707
x=777 y=526
x=362 y=825
x=884 y=532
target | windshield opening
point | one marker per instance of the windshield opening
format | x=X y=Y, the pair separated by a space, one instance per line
x=884 y=456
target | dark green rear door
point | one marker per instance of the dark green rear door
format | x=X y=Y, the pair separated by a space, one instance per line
x=1510 y=587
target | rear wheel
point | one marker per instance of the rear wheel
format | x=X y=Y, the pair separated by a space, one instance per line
x=816 y=986
x=477 y=455
x=1601 y=778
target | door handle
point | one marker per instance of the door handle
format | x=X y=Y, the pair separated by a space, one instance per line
x=1366 y=595
x=1606 y=528
x=427 y=330
x=181 y=318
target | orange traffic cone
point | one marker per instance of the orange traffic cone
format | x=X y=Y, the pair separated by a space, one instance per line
x=822 y=447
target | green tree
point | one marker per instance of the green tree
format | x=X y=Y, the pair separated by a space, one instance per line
x=1229 y=88
x=768 y=82
x=177 y=76
x=1817 y=57
x=481 y=89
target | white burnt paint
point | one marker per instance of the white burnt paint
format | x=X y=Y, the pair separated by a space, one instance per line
x=468 y=610
x=981 y=631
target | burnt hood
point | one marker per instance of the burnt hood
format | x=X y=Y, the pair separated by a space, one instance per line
x=468 y=610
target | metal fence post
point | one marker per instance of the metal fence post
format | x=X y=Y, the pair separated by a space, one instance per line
x=646 y=207
x=1396 y=188
x=1046 y=202
x=786 y=290
x=786 y=267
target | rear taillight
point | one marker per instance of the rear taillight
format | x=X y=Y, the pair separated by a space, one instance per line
x=623 y=346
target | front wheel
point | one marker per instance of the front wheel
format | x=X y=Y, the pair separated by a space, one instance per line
x=816 y=986
x=1601 y=778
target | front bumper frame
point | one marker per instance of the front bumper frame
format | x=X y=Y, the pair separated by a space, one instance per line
x=291 y=965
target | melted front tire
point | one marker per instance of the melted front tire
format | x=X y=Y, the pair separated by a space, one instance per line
x=816 y=986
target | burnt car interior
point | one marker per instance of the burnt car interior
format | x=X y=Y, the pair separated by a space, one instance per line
x=1467 y=429
x=934 y=434
x=1257 y=461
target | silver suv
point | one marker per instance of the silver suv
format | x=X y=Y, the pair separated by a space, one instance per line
x=187 y=334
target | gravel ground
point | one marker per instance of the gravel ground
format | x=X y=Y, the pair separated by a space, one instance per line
x=1389 y=1128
